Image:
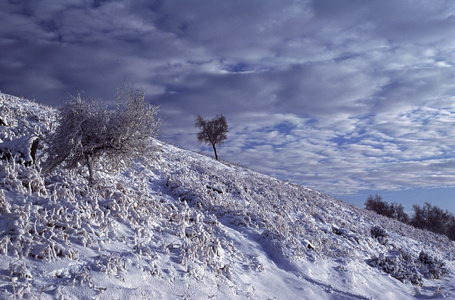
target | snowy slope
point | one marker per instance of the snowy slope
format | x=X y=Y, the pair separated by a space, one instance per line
x=180 y=225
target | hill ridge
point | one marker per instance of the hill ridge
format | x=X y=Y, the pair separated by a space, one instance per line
x=182 y=225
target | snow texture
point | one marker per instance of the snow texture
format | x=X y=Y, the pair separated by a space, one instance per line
x=180 y=225
x=20 y=148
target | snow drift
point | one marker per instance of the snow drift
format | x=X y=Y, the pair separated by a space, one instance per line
x=180 y=225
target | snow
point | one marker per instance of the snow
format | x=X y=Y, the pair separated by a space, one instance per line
x=19 y=147
x=181 y=225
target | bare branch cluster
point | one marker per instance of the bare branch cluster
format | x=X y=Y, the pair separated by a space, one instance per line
x=212 y=132
x=89 y=132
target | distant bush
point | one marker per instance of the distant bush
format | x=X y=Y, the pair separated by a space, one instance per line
x=451 y=230
x=394 y=210
x=376 y=204
x=434 y=219
x=428 y=217
x=398 y=213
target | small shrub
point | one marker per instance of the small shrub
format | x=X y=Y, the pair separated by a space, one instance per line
x=400 y=266
x=380 y=235
x=432 y=267
x=405 y=267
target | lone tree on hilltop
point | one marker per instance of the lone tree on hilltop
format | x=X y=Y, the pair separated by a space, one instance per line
x=88 y=133
x=212 y=132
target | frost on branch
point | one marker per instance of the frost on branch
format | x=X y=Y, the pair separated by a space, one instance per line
x=89 y=133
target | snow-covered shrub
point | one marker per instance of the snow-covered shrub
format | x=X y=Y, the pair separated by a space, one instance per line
x=15 y=176
x=380 y=234
x=90 y=133
x=111 y=264
x=19 y=269
x=432 y=267
x=407 y=267
x=5 y=206
x=20 y=278
x=399 y=265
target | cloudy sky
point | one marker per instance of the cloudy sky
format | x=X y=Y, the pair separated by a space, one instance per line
x=347 y=97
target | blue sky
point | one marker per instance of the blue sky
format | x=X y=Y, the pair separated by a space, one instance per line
x=346 y=97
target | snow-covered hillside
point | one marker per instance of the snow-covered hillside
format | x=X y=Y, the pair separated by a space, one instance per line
x=180 y=225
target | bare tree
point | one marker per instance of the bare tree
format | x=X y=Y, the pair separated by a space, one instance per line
x=393 y=210
x=376 y=204
x=212 y=132
x=432 y=218
x=88 y=132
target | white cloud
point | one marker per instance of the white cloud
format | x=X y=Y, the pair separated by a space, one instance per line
x=339 y=96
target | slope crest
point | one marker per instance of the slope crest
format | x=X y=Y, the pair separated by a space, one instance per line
x=181 y=225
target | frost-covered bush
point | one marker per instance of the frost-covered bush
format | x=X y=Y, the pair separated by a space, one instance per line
x=380 y=234
x=407 y=267
x=14 y=176
x=432 y=267
x=111 y=264
x=89 y=133
x=399 y=265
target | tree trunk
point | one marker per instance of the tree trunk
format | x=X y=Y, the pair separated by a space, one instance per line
x=33 y=149
x=214 y=150
x=90 y=168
